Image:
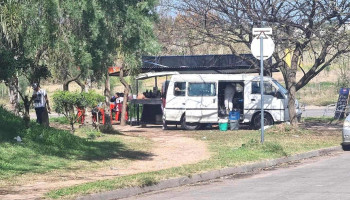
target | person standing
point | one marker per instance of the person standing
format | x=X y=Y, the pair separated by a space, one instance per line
x=41 y=105
x=229 y=93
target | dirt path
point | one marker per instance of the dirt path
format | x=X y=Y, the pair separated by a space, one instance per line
x=171 y=149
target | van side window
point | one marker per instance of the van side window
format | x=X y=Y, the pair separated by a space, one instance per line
x=269 y=89
x=179 y=88
x=201 y=89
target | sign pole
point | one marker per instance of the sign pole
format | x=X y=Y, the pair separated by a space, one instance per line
x=262 y=86
x=258 y=48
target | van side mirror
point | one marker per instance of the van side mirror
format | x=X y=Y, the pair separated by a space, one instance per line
x=278 y=95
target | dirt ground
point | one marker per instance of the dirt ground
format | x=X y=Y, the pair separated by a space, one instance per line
x=171 y=149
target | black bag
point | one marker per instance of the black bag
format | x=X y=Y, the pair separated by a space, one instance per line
x=113 y=99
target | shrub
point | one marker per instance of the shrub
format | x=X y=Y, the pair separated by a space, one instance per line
x=66 y=101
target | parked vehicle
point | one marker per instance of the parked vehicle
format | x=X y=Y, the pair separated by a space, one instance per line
x=346 y=134
x=196 y=99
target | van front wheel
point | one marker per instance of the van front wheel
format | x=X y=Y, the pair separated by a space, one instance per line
x=256 y=121
x=189 y=126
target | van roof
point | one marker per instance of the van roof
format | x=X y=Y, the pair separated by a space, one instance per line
x=215 y=77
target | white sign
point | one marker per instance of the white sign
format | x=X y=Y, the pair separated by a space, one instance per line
x=258 y=31
x=268 y=47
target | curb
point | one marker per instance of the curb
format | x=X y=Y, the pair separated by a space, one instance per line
x=206 y=176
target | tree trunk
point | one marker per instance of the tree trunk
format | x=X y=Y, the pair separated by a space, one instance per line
x=82 y=85
x=71 y=118
x=87 y=85
x=26 y=116
x=66 y=82
x=291 y=86
x=13 y=94
x=107 y=91
x=291 y=98
x=126 y=94
x=66 y=85
x=107 y=94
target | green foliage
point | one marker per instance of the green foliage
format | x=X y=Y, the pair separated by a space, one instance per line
x=93 y=134
x=10 y=125
x=91 y=98
x=65 y=102
x=44 y=149
x=67 y=38
x=267 y=147
x=7 y=64
x=60 y=120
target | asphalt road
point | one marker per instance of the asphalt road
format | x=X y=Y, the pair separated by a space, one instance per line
x=324 y=178
x=318 y=111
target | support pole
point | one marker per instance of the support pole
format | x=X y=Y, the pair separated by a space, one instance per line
x=262 y=86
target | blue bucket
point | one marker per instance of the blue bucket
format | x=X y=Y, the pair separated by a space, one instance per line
x=234 y=115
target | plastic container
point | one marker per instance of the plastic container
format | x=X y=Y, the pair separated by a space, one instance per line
x=234 y=124
x=223 y=126
x=234 y=115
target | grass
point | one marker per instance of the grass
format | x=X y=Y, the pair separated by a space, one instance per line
x=319 y=94
x=323 y=119
x=46 y=149
x=230 y=148
x=60 y=120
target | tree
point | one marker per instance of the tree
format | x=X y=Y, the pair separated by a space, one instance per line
x=131 y=27
x=25 y=35
x=315 y=28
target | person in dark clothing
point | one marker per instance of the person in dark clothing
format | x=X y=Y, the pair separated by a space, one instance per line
x=41 y=105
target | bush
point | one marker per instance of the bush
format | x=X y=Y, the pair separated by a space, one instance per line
x=66 y=101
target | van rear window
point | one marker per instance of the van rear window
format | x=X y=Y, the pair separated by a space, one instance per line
x=201 y=89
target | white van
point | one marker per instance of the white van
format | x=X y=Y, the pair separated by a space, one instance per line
x=196 y=99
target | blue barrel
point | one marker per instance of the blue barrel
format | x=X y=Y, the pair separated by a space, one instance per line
x=234 y=115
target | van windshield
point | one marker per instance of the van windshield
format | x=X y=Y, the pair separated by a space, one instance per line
x=280 y=87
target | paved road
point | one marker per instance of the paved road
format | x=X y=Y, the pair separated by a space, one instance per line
x=325 y=178
x=52 y=114
x=318 y=111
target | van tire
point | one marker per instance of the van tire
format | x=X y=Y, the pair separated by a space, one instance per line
x=189 y=126
x=255 y=123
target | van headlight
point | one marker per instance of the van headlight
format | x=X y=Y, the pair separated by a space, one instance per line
x=346 y=123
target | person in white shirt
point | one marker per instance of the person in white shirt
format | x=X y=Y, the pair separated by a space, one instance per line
x=41 y=104
x=229 y=93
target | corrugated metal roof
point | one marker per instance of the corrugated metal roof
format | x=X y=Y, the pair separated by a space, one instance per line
x=244 y=63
